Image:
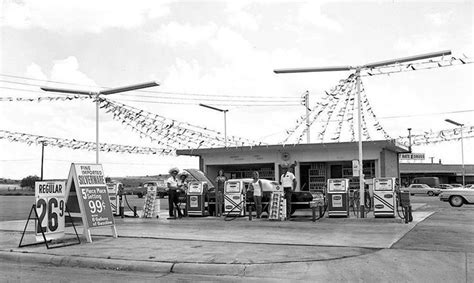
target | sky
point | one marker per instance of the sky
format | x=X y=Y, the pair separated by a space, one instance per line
x=224 y=51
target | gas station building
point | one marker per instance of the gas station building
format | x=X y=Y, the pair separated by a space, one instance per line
x=313 y=164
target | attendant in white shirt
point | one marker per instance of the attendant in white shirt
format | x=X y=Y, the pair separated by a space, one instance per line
x=257 y=193
x=172 y=184
x=288 y=181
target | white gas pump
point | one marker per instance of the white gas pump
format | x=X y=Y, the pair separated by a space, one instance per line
x=384 y=197
x=112 y=188
x=338 y=197
x=195 y=199
x=234 y=198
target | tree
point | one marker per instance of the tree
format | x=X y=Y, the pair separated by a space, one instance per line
x=29 y=181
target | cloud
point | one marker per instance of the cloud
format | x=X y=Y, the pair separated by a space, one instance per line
x=311 y=13
x=67 y=70
x=80 y=16
x=34 y=71
x=238 y=17
x=421 y=43
x=175 y=33
x=439 y=19
x=244 y=20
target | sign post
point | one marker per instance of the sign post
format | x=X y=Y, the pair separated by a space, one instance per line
x=88 y=183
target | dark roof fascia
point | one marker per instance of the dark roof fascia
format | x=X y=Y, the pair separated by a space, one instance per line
x=387 y=144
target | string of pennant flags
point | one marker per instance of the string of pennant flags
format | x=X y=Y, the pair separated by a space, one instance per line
x=416 y=66
x=301 y=124
x=417 y=139
x=439 y=136
x=370 y=111
x=45 y=98
x=82 y=145
x=338 y=105
x=168 y=132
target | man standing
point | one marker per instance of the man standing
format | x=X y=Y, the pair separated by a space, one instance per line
x=288 y=181
x=172 y=184
x=220 y=181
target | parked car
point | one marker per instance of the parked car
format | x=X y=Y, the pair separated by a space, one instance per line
x=138 y=191
x=456 y=186
x=430 y=181
x=160 y=185
x=444 y=186
x=458 y=196
x=422 y=189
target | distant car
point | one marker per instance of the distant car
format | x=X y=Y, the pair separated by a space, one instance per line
x=458 y=196
x=138 y=191
x=160 y=187
x=444 y=186
x=422 y=189
x=456 y=185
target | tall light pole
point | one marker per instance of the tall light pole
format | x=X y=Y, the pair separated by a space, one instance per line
x=357 y=74
x=97 y=95
x=462 y=148
x=225 y=119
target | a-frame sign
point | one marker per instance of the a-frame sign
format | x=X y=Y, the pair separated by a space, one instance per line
x=87 y=197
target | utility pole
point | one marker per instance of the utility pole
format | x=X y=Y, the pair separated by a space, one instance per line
x=306 y=105
x=42 y=159
x=409 y=139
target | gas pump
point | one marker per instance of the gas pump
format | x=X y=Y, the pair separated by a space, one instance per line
x=384 y=197
x=234 y=198
x=114 y=200
x=338 y=198
x=121 y=208
x=195 y=199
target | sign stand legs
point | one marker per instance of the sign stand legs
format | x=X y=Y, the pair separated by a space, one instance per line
x=114 y=231
x=33 y=208
x=45 y=241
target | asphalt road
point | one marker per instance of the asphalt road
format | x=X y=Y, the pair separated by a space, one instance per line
x=448 y=229
x=26 y=272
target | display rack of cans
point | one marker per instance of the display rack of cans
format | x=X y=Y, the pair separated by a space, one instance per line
x=317 y=177
x=151 y=207
x=277 y=207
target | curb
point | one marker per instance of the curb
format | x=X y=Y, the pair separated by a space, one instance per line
x=210 y=269
x=126 y=265
x=96 y=263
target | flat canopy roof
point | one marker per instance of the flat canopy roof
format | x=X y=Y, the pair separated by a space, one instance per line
x=388 y=144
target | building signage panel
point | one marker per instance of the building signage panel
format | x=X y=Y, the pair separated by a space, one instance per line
x=412 y=156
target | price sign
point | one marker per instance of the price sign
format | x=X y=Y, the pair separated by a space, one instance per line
x=50 y=207
x=88 y=183
x=97 y=206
